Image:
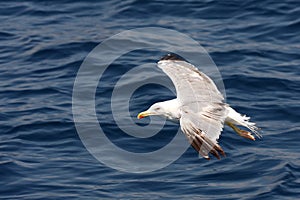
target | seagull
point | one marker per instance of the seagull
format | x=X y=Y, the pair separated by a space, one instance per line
x=199 y=108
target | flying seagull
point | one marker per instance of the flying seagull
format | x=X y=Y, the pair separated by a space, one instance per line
x=199 y=108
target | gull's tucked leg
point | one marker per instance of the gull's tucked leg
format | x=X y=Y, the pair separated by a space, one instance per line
x=240 y=132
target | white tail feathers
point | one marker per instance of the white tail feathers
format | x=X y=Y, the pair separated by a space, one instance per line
x=251 y=126
x=242 y=120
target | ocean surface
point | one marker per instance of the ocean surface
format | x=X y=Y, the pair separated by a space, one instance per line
x=43 y=44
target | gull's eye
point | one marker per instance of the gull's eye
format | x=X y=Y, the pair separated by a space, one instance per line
x=157 y=109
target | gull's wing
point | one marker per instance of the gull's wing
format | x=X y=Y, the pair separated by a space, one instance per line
x=202 y=109
x=190 y=83
x=203 y=128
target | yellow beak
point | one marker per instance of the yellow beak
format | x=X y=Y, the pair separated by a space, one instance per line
x=143 y=114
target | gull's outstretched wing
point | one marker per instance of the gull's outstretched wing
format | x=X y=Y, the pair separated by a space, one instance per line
x=202 y=109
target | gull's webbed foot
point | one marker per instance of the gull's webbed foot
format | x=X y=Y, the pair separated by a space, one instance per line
x=240 y=132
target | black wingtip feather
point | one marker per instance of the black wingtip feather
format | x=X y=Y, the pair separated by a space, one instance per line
x=172 y=56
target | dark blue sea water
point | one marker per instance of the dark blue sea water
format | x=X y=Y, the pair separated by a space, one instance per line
x=255 y=45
